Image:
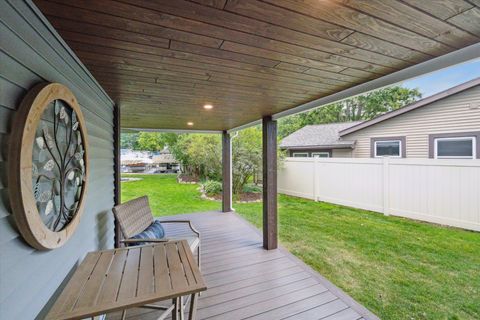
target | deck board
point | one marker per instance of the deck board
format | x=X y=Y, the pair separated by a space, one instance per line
x=246 y=281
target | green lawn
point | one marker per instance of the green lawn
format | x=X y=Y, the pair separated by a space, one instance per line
x=166 y=196
x=397 y=268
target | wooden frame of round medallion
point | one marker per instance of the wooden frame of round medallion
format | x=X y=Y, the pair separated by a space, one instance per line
x=22 y=139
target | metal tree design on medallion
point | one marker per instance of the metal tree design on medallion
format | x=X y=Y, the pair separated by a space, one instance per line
x=58 y=165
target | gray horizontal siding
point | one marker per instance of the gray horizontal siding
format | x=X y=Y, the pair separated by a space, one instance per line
x=30 y=52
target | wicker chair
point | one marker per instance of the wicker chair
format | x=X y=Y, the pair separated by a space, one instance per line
x=135 y=216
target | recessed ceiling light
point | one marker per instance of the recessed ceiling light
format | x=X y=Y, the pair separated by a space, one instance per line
x=190 y=123
x=208 y=106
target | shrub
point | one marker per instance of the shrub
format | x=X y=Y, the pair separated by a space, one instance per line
x=252 y=188
x=212 y=187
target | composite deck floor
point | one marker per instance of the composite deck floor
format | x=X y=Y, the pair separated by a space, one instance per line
x=247 y=282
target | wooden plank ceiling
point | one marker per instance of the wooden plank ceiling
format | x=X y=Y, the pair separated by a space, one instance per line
x=162 y=60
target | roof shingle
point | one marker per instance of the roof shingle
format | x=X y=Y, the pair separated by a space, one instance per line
x=322 y=135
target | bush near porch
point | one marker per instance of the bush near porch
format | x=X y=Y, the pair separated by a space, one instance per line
x=397 y=268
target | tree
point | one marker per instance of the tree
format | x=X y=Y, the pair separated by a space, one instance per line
x=246 y=157
x=151 y=141
x=129 y=140
x=364 y=107
x=148 y=141
x=199 y=154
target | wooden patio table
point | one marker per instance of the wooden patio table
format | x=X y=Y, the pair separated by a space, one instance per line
x=123 y=278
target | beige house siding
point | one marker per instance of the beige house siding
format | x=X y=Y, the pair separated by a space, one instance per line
x=341 y=153
x=457 y=113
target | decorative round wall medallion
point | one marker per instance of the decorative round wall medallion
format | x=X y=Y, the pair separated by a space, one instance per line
x=48 y=166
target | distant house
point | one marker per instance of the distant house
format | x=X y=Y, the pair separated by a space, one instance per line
x=164 y=161
x=135 y=161
x=445 y=125
x=321 y=140
x=148 y=161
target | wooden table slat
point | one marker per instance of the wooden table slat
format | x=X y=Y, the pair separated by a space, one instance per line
x=162 y=277
x=177 y=274
x=95 y=282
x=113 y=279
x=193 y=265
x=186 y=265
x=146 y=278
x=69 y=296
x=128 y=287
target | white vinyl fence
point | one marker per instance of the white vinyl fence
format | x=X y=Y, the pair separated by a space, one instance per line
x=439 y=191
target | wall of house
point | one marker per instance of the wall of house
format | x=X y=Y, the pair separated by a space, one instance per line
x=30 y=52
x=450 y=115
x=341 y=153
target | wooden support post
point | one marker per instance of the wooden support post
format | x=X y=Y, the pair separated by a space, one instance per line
x=116 y=160
x=269 y=183
x=226 y=172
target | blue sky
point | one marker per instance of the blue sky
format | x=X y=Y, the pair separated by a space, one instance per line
x=446 y=78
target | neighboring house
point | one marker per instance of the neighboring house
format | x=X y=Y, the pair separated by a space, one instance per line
x=165 y=162
x=445 y=125
x=148 y=161
x=129 y=154
x=135 y=161
x=321 y=140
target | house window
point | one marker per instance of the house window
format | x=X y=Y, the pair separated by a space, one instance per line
x=455 y=148
x=300 y=154
x=388 y=148
x=321 y=154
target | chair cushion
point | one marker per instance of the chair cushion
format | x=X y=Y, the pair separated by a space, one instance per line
x=154 y=231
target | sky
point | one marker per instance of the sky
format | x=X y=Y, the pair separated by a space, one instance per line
x=435 y=82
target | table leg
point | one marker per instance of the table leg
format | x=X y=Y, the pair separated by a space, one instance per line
x=193 y=307
x=182 y=309
x=175 y=302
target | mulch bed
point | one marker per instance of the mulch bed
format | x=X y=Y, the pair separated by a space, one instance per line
x=243 y=197
x=183 y=178
x=249 y=197
x=217 y=197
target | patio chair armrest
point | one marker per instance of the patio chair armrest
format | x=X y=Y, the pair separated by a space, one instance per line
x=184 y=221
x=126 y=241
